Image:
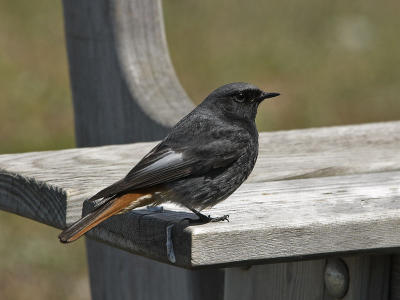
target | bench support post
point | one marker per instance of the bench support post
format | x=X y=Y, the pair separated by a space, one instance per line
x=369 y=277
x=109 y=109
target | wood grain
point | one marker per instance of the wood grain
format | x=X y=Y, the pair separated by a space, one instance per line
x=140 y=41
x=272 y=217
x=148 y=279
x=283 y=281
x=369 y=277
x=283 y=155
x=302 y=217
x=27 y=197
x=395 y=277
x=122 y=79
x=304 y=280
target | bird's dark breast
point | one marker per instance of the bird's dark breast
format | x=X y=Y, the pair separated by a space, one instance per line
x=209 y=189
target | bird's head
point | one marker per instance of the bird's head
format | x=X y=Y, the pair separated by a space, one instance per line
x=237 y=100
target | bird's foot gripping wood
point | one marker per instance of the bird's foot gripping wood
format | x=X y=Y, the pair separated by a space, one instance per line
x=207 y=219
x=218 y=219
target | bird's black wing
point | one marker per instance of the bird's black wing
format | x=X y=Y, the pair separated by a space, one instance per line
x=166 y=163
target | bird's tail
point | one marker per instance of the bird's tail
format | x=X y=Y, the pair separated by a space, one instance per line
x=108 y=209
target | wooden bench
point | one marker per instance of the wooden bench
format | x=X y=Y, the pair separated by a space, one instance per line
x=318 y=218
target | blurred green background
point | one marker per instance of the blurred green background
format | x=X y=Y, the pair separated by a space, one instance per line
x=335 y=62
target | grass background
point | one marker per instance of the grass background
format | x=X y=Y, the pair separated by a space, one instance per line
x=335 y=62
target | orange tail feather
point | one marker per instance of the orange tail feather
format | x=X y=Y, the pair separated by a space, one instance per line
x=110 y=208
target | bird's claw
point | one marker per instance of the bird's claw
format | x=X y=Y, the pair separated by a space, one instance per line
x=219 y=219
x=207 y=219
x=203 y=219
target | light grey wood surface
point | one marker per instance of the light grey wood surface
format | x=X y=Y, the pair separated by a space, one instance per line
x=283 y=155
x=303 y=217
x=270 y=217
x=138 y=28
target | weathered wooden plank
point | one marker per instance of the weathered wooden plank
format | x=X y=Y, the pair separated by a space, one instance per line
x=283 y=155
x=33 y=199
x=54 y=173
x=328 y=151
x=302 y=217
x=279 y=219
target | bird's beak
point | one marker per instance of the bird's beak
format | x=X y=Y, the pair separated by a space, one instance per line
x=266 y=95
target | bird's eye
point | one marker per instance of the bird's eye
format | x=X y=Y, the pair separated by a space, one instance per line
x=239 y=97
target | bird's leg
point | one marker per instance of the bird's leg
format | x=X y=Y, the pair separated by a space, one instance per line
x=202 y=218
x=207 y=219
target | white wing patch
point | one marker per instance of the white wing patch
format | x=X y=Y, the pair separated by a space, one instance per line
x=170 y=159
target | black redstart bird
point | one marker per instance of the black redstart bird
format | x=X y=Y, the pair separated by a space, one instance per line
x=205 y=158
